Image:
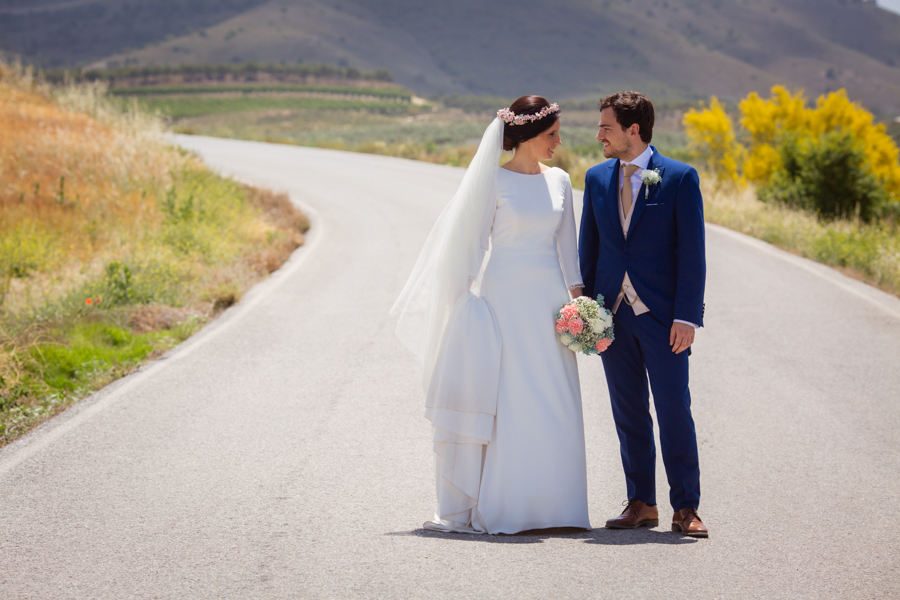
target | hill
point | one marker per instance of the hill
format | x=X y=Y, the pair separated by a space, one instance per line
x=54 y=33
x=571 y=48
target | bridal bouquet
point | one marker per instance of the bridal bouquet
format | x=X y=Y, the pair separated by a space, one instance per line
x=585 y=326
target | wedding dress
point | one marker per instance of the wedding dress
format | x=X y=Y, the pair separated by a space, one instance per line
x=502 y=394
x=534 y=473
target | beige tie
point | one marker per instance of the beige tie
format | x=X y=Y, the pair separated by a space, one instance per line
x=628 y=293
x=627 y=190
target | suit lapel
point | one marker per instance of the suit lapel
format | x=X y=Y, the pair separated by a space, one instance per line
x=612 y=198
x=642 y=198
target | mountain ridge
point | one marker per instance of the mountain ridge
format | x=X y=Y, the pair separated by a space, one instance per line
x=575 y=48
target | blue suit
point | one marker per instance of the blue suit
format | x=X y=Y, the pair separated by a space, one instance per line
x=665 y=257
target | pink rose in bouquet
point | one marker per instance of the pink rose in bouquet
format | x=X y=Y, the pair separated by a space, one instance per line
x=602 y=344
x=575 y=326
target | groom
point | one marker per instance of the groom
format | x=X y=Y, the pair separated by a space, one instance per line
x=642 y=248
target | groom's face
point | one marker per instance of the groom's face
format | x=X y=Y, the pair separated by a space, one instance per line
x=617 y=142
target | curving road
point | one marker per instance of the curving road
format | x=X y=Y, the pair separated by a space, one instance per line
x=282 y=452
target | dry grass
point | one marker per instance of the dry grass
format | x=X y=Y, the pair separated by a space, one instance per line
x=276 y=210
x=155 y=317
x=114 y=246
x=77 y=181
x=869 y=253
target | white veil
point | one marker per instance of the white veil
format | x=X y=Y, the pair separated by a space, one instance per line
x=451 y=257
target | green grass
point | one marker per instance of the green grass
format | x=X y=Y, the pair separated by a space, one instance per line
x=55 y=352
x=74 y=360
x=179 y=108
x=381 y=92
x=89 y=350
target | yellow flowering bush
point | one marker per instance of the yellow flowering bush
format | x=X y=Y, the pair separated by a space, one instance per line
x=765 y=121
x=711 y=138
x=757 y=153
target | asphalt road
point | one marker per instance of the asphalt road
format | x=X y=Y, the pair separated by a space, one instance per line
x=282 y=452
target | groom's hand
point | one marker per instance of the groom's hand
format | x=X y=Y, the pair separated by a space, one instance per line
x=681 y=337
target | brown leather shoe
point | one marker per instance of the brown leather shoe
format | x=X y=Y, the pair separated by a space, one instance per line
x=636 y=514
x=687 y=521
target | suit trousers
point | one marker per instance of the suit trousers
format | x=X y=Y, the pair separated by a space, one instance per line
x=641 y=351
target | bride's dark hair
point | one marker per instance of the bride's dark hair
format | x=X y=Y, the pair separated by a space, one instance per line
x=513 y=135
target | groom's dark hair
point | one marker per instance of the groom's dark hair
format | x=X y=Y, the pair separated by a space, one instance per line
x=631 y=108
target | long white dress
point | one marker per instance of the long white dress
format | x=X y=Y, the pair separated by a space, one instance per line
x=534 y=474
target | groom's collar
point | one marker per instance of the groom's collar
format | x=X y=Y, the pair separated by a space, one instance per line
x=643 y=159
x=656 y=160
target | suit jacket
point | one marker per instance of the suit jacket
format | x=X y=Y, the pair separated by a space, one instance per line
x=665 y=250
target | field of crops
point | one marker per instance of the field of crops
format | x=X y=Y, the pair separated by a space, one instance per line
x=179 y=107
x=250 y=88
x=365 y=115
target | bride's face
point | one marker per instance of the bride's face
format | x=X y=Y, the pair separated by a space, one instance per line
x=543 y=145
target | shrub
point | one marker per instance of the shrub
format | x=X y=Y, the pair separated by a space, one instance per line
x=711 y=138
x=827 y=175
x=767 y=125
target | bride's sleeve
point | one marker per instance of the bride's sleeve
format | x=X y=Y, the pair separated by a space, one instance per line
x=567 y=242
x=484 y=239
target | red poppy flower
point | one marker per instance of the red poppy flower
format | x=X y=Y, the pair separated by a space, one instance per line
x=88 y=301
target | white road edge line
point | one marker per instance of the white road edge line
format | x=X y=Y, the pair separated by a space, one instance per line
x=882 y=300
x=42 y=436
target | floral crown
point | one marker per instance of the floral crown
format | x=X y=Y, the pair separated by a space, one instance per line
x=511 y=118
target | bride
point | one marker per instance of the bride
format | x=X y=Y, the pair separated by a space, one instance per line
x=502 y=394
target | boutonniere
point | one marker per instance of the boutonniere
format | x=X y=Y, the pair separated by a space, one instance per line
x=650 y=178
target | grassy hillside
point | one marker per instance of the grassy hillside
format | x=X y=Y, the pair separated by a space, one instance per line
x=114 y=246
x=671 y=48
x=66 y=32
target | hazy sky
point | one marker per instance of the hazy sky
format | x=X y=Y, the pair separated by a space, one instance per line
x=893 y=5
